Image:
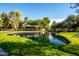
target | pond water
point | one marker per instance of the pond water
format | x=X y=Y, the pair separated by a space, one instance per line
x=51 y=37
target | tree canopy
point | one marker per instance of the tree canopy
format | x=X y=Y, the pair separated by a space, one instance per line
x=14 y=20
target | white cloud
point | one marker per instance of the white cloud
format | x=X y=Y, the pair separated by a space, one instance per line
x=57 y=20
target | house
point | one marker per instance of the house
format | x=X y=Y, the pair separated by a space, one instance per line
x=32 y=28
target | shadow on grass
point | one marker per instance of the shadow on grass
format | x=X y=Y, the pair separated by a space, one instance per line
x=22 y=49
x=73 y=49
x=38 y=47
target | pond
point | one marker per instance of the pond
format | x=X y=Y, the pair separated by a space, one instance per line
x=51 y=37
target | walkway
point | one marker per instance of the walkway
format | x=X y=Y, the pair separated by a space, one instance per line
x=3 y=53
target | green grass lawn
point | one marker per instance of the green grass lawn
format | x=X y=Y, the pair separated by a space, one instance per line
x=73 y=47
x=73 y=37
x=16 y=45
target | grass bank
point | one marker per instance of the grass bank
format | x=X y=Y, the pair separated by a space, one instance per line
x=15 y=45
x=73 y=47
x=73 y=37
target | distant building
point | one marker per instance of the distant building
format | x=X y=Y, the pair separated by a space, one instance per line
x=32 y=28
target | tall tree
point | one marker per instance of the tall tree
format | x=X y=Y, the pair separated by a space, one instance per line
x=5 y=19
x=1 y=22
x=12 y=15
x=45 y=22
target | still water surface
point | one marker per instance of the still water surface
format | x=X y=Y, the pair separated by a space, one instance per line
x=52 y=38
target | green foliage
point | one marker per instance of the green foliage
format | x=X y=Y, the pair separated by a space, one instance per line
x=71 y=23
x=43 y=23
x=75 y=6
x=1 y=23
x=12 y=21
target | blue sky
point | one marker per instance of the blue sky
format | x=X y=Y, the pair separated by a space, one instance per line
x=55 y=11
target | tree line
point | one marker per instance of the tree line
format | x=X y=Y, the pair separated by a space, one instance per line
x=71 y=23
x=13 y=20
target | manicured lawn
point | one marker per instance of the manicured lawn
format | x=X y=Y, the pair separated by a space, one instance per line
x=15 y=45
x=73 y=37
x=73 y=47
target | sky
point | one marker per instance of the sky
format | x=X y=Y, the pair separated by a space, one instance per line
x=55 y=11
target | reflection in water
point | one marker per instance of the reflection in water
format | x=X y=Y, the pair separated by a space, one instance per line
x=55 y=40
x=51 y=37
x=31 y=35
